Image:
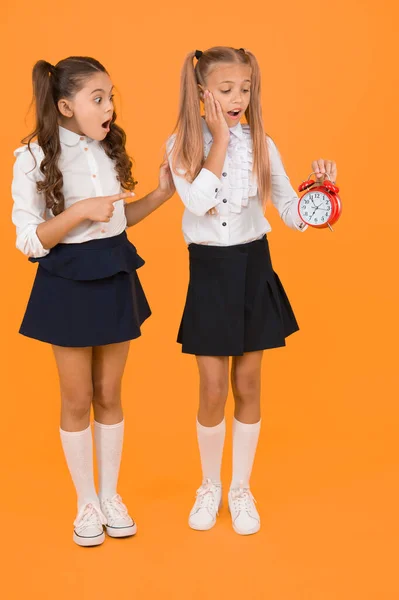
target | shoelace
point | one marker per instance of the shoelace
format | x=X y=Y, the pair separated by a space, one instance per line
x=88 y=516
x=115 y=508
x=242 y=498
x=206 y=495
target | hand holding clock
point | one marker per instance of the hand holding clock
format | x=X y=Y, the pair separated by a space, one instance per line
x=320 y=206
x=322 y=167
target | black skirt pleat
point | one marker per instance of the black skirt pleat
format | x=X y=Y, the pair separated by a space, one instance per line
x=235 y=302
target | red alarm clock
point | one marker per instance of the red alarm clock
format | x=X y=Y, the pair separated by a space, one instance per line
x=320 y=206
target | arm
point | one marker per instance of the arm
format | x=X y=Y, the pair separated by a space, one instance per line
x=220 y=134
x=98 y=209
x=200 y=195
x=50 y=233
x=283 y=195
x=35 y=235
x=216 y=157
x=28 y=213
x=139 y=210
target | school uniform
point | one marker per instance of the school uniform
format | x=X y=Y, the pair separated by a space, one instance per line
x=235 y=301
x=86 y=291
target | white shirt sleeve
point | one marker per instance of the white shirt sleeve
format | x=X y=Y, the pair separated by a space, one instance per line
x=29 y=206
x=200 y=195
x=283 y=195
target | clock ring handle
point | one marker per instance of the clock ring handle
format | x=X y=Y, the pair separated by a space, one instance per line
x=309 y=183
x=329 y=184
x=324 y=174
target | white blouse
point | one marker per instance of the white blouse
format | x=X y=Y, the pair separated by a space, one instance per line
x=87 y=172
x=240 y=217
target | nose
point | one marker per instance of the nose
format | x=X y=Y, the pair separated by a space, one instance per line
x=237 y=99
x=110 y=106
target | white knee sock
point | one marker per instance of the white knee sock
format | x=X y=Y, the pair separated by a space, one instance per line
x=78 y=450
x=211 y=442
x=109 y=442
x=245 y=441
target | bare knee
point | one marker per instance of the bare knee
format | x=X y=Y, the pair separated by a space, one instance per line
x=107 y=394
x=213 y=393
x=77 y=403
x=246 y=386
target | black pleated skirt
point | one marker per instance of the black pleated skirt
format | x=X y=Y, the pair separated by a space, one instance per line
x=87 y=294
x=235 y=302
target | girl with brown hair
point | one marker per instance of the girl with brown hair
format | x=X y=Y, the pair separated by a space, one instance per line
x=224 y=171
x=71 y=180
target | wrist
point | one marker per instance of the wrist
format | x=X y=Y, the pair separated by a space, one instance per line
x=78 y=210
x=222 y=140
x=160 y=196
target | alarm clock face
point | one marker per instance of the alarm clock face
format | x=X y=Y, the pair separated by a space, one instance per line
x=315 y=208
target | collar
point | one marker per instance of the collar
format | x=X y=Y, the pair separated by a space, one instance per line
x=236 y=130
x=69 y=138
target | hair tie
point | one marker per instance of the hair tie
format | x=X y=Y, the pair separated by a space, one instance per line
x=51 y=69
x=198 y=54
x=241 y=50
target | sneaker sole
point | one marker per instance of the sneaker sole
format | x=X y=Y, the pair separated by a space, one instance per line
x=250 y=532
x=87 y=542
x=201 y=527
x=121 y=532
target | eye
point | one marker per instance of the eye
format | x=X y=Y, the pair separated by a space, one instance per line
x=98 y=99
x=246 y=91
x=112 y=97
x=225 y=91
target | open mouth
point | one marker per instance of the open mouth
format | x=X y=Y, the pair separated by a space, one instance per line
x=106 y=125
x=234 y=113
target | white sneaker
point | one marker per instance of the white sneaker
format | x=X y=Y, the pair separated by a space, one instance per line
x=118 y=522
x=206 y=508
x=89 y=530
x=245 y=517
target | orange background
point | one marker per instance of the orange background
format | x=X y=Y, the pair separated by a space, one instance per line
x=326 y=474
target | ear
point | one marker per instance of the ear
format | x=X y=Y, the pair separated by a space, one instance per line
x=65 y=108
x=201 y=92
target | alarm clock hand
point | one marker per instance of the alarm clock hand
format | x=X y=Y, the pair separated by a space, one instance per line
x=314 y=204
x=326 y=208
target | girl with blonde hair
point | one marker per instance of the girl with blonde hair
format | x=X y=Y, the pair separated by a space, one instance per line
x=224 y=170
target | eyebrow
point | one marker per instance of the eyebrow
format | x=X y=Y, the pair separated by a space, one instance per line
x=100 y=90
x=245 y=80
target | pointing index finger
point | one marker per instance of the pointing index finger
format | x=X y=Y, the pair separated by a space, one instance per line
x=120 y=196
